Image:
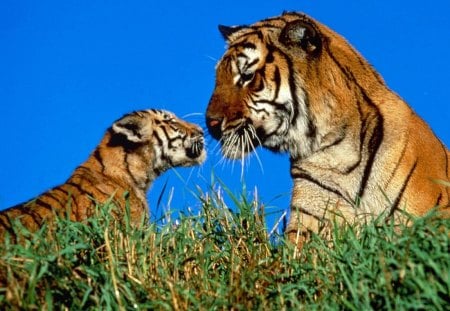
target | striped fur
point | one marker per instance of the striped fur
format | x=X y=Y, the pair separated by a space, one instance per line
x=134 y=151
x=356 y=148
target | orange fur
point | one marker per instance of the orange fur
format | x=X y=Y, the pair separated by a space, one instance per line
x=357 y=149
x=134 y=151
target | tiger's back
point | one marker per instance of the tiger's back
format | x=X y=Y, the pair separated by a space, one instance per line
x=75 y=200
x=134 y=151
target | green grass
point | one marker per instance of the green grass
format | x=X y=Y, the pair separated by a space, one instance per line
x=220 y=260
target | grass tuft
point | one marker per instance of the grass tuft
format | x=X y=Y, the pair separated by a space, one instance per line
x=224 y=258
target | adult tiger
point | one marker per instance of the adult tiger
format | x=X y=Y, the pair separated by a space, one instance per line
x=356 y=149
x=135 y=150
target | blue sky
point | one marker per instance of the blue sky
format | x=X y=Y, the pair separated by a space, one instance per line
x=68 y=69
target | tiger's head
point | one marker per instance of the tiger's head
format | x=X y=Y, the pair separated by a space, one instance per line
x=157 y=140
x=278 y=85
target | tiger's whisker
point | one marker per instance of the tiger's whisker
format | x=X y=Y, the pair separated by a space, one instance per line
x=254 y=149
x=211 y=58
x=243 y=145
x=193 y=114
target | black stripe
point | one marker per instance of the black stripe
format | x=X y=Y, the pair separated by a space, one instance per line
x=255 y=61
x=377 y=132
x=279 y=106
x=438 y=201
x=169 y=141
x=259 y=76
x=446 y=158
x=42 y=203
x=312 y=129
x=73 y=203
x=363 y=128
x=335 y=143
x=66 y=193
x=259 y=110
x=249 y=45
x=83 y=191
x=402 y=190
x=255 y=31
x=293 y=88
x=29 y=211
x=277 y=81
x=164 y=157
x=446 y=170
x=160 y=141
x=306 y=212
x=52 y=196
x=291 y=82
x=129 y=171
x=7 y=224
x=373 y=147
x=305 y=176
x=399 y=162
x=35 y=217
x=99 y=159
x=269 y=58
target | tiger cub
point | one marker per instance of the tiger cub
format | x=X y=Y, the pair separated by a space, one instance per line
x=134 y=151
x=356 y=149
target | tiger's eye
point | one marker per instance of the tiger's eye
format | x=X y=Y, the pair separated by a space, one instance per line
x=245 y=77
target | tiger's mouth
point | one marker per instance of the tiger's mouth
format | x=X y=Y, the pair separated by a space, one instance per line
x=196 y=148
x=239 y=140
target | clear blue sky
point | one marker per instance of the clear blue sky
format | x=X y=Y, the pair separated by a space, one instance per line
x=68 y=69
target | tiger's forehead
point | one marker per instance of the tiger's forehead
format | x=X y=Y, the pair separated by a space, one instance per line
x=161 y=114
x=248 y=44
x=250 y=37
x=156 y=114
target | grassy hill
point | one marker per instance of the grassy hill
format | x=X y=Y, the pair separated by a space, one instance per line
x=221 y=259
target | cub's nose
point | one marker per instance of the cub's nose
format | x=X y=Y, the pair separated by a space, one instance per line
x=214 y=127
x=196 y=149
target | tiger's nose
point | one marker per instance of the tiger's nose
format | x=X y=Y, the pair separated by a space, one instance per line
x=214 y=127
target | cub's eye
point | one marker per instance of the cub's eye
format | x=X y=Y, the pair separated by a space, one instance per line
x=246 y=77
x=168 y=117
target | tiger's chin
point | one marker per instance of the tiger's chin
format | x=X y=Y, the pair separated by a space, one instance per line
x=240 y=142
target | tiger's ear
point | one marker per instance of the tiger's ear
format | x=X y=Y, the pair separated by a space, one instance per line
x=130 y=127
x=227 y=31
x=303 y=34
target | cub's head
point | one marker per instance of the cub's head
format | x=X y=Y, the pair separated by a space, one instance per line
x=277 y=85
x=158 y=139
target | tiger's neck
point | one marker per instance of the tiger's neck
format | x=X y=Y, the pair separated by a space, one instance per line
x=343 y=148
x=130 y=171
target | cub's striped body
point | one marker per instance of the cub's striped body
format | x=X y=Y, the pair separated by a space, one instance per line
x=134 y=151
x=356 y=148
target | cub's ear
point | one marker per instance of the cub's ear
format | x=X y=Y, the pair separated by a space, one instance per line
x=303 y=34
x=227 y=31
x=130 y=127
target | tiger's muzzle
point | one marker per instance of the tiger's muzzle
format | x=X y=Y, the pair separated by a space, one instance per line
x=214 y=127
x=196 y=147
